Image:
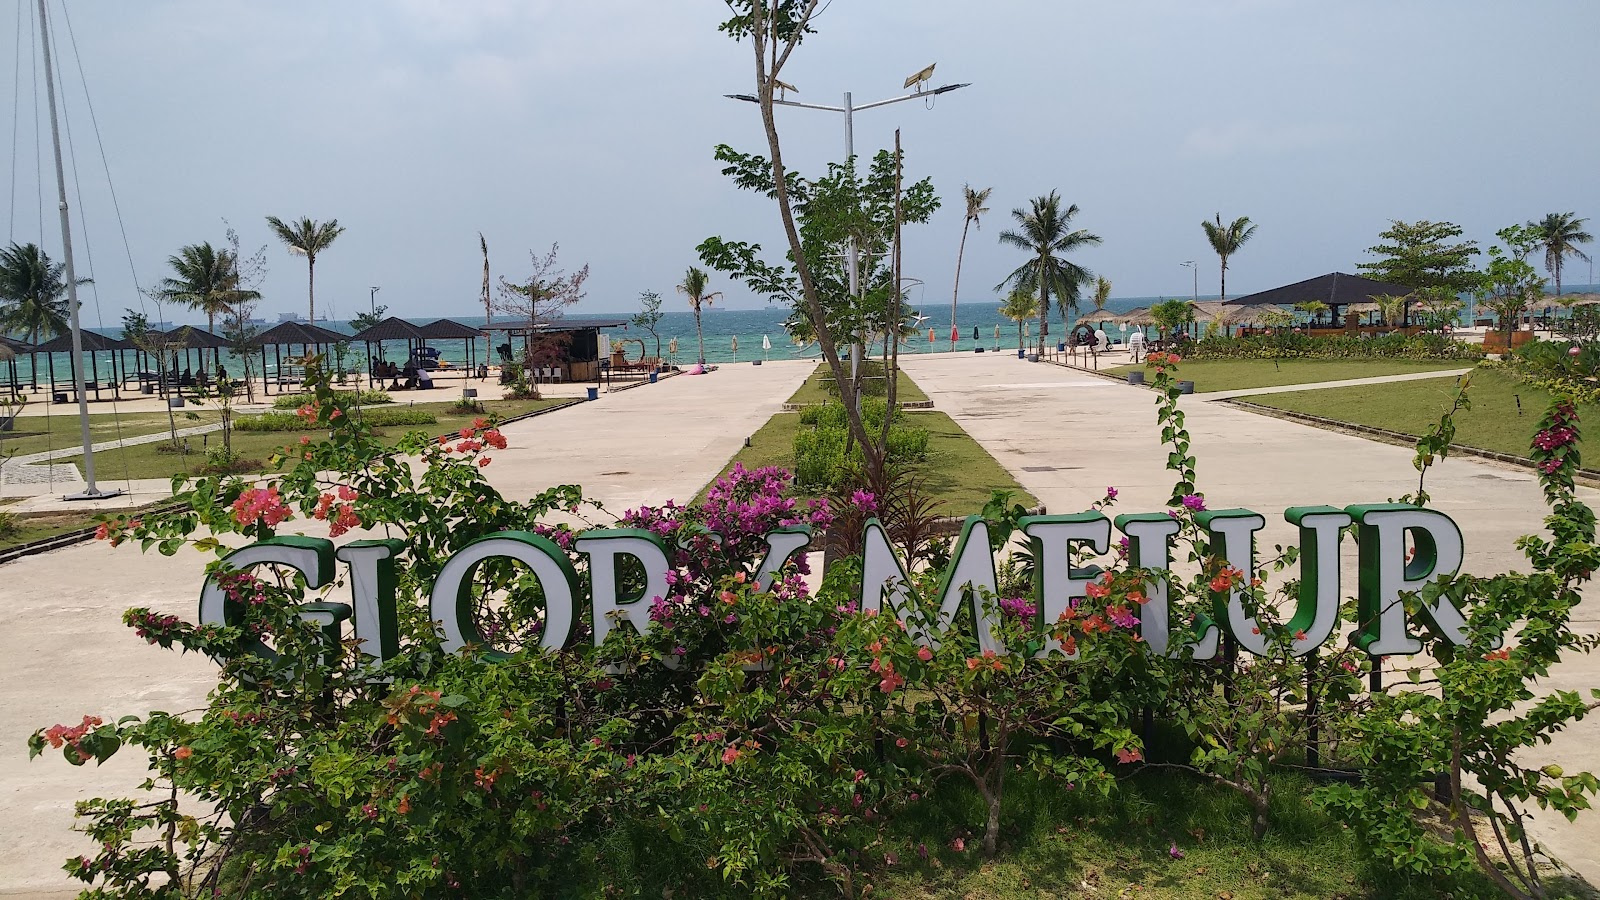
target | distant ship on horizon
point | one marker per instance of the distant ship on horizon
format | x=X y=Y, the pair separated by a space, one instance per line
x=296 y=317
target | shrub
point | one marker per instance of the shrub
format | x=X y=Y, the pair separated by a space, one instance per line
x=376 y=418
x=820 y=461
x=347 y=398
x=1285 y=344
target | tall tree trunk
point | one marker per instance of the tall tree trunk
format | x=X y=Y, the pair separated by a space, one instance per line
x=311 y=287
x=955 y=294
x=1044 y=311
x=763 y=42
x=1224 y=278
x=699 y=335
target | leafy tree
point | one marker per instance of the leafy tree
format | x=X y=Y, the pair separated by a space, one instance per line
x=975 y=200
x=205 y=279
x=1019 y=307
x=541 y=300
x=1172 y=314
x=649 y=316
x=694 y=288
x=775 y=28
x=831 y=213
x=1226 y=241
x=33 y=293
x=1560 y=234
x=307 y=238
x=136 y=330
x=1423 y=254
x=1045 y=231
x=1510 y=282
x=362 y=321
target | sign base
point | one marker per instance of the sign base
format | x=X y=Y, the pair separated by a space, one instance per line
x=96 y=495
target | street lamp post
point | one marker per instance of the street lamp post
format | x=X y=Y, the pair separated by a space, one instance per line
x=372 y=299
x=1196 y=270
x=850 y=109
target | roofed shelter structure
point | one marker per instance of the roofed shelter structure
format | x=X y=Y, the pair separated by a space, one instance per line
x=1338 y=291
x=94 y=344
x=570 y=348
x=10 y=349
x=312 y=339
x=451 y=330
x=191 y=344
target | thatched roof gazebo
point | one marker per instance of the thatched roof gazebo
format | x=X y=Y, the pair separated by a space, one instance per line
x=311 y=339
x=94 y=344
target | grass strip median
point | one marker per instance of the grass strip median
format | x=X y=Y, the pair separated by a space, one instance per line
x=1237 y=374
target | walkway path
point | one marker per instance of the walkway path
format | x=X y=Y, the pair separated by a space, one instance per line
x=1066 y=436
x=64 y=652
x=1321 y=385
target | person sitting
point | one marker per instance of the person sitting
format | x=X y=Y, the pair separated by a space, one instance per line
x=424 y=380
x=410 y=373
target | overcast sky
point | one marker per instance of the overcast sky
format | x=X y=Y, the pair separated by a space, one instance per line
x=419 y=123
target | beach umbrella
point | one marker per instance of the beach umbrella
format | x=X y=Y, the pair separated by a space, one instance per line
x=736 y=348
x=766 y=345
x=930 y=339
x=954 y=335
x=975 y=332
x=672 y=348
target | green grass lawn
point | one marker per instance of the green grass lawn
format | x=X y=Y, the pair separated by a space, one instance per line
x=154 y=461
x=1234 y=374
x=22 y=529
x=1410 y=407
x=959 y=471
x=813 y=390
x=36 y=434
x=1058 y=843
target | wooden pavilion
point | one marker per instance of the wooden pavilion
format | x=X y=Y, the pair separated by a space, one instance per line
x=312 y=339
x=94 y=344
x=1338 y=291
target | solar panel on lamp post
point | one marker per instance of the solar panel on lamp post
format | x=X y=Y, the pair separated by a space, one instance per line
x=850 y=109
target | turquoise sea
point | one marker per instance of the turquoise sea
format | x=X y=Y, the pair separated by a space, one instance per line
x=731 y=335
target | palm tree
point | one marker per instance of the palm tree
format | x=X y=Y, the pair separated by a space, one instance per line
x=1019 y=307
x=1561 y=233
x=307 y=238
x=694 y=287
x=1102 y=293
x=1226 y=240
x=206 y=279
x=33 y=293
x=975 y=211
x=1045 y=231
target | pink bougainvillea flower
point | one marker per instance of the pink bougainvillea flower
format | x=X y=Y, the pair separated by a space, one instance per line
x=730 y=754
x=1194 y=502
x=1129 y=755
x=1174 y=852
x=924 y=654
x=959 y=845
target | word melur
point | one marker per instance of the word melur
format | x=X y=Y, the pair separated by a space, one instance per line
x=1386 y=571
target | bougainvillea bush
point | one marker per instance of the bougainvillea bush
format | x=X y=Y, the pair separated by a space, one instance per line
x=759 y=738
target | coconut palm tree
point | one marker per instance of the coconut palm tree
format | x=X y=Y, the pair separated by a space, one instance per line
x=1102 y=293
x=307 y=238
x=1045 y=231
x=1561 y=233
x=694 y=287
x=206 y=279
x=33 y=293
x=975 y=211
x=1226 y=240
x=1020 y=306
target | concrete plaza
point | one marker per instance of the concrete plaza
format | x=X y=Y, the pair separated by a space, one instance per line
x=1065 y=435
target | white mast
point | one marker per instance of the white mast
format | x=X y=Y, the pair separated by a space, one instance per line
x=90 y=492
